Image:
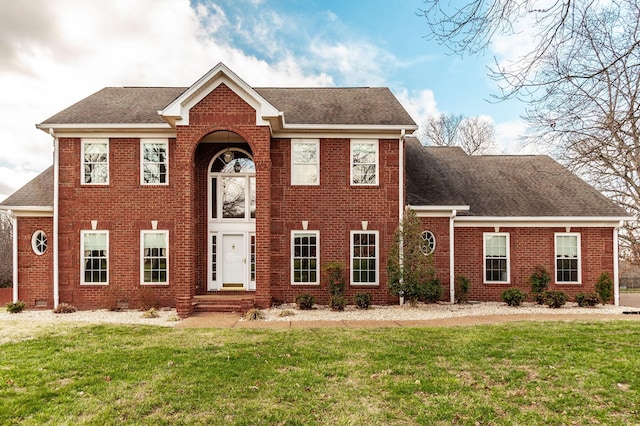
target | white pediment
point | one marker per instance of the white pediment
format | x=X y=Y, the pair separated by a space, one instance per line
x=177 y=112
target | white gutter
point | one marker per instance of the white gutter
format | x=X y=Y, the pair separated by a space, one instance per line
x=14 y=227
x=452 y=258
x=56 y=180
x=616 y=278
x=401 y=175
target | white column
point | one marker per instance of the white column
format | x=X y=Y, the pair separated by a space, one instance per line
x=452 y=262
x=14 y=229
x=616 y=279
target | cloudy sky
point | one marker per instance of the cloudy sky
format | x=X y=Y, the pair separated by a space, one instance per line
x=54 y=53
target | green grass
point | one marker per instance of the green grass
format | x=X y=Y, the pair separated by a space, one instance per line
x=514 y=373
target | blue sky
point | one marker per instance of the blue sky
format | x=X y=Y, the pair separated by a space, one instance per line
x=52 y=54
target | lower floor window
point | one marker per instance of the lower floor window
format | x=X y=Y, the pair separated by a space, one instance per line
x=155 y=260
x=567 y=258
x=304 y=252
x=95 y=257
x=496 y=257
x=364 y=257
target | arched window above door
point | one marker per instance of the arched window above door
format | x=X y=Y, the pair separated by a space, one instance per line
x=233 y=160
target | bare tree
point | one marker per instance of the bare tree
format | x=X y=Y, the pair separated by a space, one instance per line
x=474 y=135
x=6 y=249
x=580 y=78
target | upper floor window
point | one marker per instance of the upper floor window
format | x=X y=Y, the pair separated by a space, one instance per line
x=305 y=162
x=95 y=162
x=155 y=257
x=567 y=257
x=364 y=162
x=154 y=159
x=94 y=246
x=496 y=257
x=232 y=186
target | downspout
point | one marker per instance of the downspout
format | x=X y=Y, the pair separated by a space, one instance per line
x=401 y=203
x=14 y=227
x=56 y=179
x=616 y=279
x=452 y=265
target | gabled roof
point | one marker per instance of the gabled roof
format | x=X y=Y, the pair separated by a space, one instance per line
x=501 y=185
x=36 y=193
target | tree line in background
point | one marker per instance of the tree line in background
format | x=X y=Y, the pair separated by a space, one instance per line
x=6 y=250
x=580 y=78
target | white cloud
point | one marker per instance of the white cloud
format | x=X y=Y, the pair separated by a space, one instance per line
x=419 y=104
x=509 y=139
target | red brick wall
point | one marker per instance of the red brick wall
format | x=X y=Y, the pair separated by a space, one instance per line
x=35 y=272
x=530 y=247
x=334 y=208
x=439 y=226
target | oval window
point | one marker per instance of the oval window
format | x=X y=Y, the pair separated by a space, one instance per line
x=428 y=243
x=39 y=242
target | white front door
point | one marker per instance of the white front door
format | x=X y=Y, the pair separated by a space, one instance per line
x=234 y=261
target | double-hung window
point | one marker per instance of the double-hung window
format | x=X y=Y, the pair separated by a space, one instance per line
x=95 y=162
x=305 y=162
x=94 y=248
x=496 y=257
x=305 y=252
x=364 y=162
x=154 y=246
x=567 y=258
x=154 y=162
x=364 y=257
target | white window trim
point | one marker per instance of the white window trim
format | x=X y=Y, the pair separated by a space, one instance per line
x=484 y=256
x=422 y=236
x=555 y=257
x=34 y=247
x=377 y=259
x=374 y=142
x=153 y=141
x=96 y=141
x=315 y=142
x=82 y=234
x=142 y=234
x=292 y=250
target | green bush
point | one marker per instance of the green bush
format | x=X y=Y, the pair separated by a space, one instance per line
x=463 y=287
x=586 y=299
x=305 y=301
x=337 y=303
x=539 y=281
x=555 y=299
x=513 y=296
x=430 y=290
x=335 y=278
x=362 y=300
x=604 y=288
x=15 y=307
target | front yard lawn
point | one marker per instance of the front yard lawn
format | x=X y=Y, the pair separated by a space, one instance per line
x=513 y=373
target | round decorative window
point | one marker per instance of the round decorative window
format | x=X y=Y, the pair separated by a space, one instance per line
x=428 y=243
x=39 y=242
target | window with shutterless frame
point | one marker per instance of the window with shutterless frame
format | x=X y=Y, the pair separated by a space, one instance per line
x=95 y=162
x=154 y=162
x=364 y=162
x=567 y=255
x=364 y=257
x=154 y=257
x=305 y=257
x=496 y=257
x=305 y=161
x=94 y=257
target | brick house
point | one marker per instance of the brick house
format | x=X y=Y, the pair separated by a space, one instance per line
x=224 y=196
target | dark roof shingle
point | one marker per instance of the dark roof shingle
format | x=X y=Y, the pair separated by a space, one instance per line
x=500 y=186
x=36 y=193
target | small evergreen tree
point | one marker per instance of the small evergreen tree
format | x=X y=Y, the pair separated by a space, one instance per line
x=335 y=278
x=604 y=287
x=410 y=273
x=539 y=281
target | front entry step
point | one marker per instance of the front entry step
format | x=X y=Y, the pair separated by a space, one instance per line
x=240 y=303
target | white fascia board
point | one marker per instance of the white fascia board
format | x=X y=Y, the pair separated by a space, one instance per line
x=178 y=111
x=70 y=130
x=438 y=211
x=339 y=131
x=348 y=127
x=540 y=221
x=29 y=211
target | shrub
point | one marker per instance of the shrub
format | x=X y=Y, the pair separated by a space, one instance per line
x=147 y=299
x=305 y=301
x=64 y=308
x=335 y=278
x=586 y=299
x=555 y=299
x=604 y=287
x=430 y=290
x=463 y=286
x=254 y=315
x=15 y=307
x=150 y=313
x=362 y=300
x=539 y=281
x=513 y=296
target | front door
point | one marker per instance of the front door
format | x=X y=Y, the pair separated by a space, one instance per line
x=234 y=261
